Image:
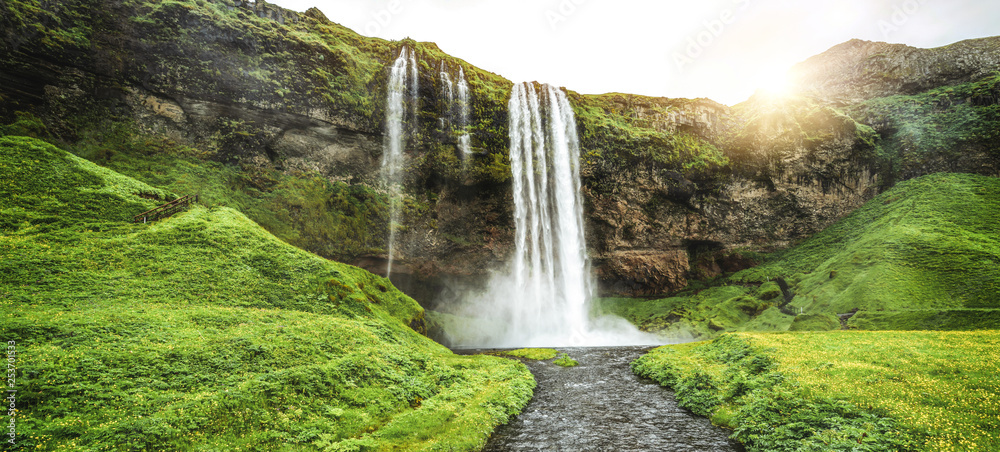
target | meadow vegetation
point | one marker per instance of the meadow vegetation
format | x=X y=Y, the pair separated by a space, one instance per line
x=564 y=360
x=845 y=390
x=204 y=332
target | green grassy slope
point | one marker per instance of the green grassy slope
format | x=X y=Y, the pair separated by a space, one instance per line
x=923 y=255
x=204 y=332
x=929 y=243
x=958 y=123
x=925 y=391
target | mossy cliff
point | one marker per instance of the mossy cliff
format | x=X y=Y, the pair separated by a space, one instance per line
x=280 y=114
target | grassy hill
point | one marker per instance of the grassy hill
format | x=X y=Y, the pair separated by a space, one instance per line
x=205 y=332
x=924 y=255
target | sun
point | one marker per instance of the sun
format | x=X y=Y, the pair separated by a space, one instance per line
x=773 y=82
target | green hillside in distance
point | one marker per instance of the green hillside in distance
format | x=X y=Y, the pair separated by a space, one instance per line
x=205 y=332
x=924 y=255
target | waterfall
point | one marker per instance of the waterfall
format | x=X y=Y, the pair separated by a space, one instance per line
x=464 y=141
x=414 y=88
x=403 y=73
x=455 y=109
x=550 y=274
x=447 y=97
x=543 y=298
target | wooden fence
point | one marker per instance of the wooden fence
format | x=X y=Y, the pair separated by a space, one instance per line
x=165 y=210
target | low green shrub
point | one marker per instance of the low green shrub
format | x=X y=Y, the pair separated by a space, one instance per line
x=564 y=360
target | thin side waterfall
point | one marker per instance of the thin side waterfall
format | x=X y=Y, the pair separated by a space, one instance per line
x=447 y=97
x=465 y=140
x=455 y=107
x=398 y=95
x=414 y=89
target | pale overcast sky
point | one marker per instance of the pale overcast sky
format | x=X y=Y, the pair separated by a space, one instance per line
x=721 y=49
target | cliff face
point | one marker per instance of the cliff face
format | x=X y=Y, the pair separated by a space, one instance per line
x=281 y=114
x=857 y=71
x=787 y=170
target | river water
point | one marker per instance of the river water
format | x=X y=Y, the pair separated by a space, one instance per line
x=601 y=405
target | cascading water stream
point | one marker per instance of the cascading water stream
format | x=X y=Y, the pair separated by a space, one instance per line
x=550 y=267
x=447 y=95
x=543 y=299
x=414 y=90
x=455 y=109
x=403 y=73
x=465 y=140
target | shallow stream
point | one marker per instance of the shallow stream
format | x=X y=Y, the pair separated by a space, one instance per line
x=601 y=405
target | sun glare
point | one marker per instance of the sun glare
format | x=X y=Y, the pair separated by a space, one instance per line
x=773 y=82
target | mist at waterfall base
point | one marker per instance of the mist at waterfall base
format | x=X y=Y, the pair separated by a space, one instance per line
x=543 y=297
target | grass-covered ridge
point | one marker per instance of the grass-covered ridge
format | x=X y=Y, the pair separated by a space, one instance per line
x=929 y=243
x=626 y=129
x=331 y=218
x=204 y=332
x=43 y=185
x=958 y=123
x=924 y=255
x=923 y=391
